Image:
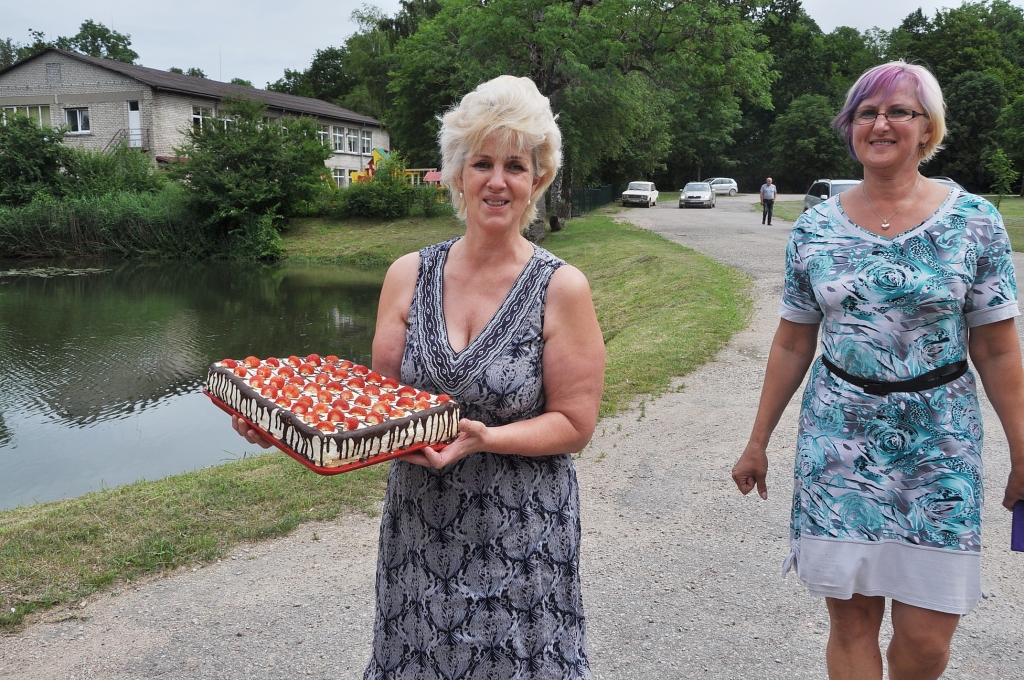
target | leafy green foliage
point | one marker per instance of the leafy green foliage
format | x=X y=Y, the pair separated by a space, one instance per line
x=615 y=71
x=92 y=38
x=118 y=223
x=974 y=100
x=97 y=40
x=241 y=81
x=804 y=147
x=90 y=173
x=432 y=201
x=1001 y=168
x=31 y=160
x=386 y=196
x=243 y=174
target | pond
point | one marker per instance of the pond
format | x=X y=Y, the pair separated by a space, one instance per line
x=102 y=363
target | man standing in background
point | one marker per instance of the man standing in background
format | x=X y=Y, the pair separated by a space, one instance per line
x=767 y=201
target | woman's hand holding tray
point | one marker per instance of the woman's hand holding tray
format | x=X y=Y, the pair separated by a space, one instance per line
x=329 y=414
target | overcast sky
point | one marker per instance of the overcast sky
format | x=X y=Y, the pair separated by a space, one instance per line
x=258 y=39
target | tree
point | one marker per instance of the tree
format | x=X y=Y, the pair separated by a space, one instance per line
x=242 y=82
x=974 y=101
x=97 y=40
x=1001 y=168
x=804 y=145
x=193 y=71
x=613 y=70
x=92 y=38
x=31 y=160
x=1011 y=132
x=8 y=52
x=243 y=176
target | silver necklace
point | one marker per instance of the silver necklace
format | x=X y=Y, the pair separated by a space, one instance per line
x=885 y=222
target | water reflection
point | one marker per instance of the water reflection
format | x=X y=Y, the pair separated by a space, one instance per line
x=101 y=363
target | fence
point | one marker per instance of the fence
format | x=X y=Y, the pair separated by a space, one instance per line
x=586 y=200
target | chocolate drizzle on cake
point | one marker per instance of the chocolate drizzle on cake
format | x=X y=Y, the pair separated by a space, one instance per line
x=436 y=425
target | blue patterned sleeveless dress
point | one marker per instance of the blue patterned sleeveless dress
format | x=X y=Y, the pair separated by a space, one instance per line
x=478 y=569
x=888 y=489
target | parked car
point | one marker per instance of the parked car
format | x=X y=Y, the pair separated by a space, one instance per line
x=640 y=193
x=723 y=185
x=949 y=182
x=697 y=193
x=824 y=189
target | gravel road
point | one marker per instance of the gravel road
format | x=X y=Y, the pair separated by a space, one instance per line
x=680 y=573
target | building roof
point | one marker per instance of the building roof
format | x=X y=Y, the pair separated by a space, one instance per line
x=203 y=87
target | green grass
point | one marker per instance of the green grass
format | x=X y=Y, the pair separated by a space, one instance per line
x=664 y=310
x=60 y=552
x=786 y=210
x=1012 y=210
x=364 y=243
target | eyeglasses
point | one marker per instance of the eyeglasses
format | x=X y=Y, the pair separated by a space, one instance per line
x=869 y=116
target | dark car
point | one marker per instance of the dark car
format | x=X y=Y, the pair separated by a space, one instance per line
x=824 y=189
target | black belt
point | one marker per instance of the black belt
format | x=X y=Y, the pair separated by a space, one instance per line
x=930 y=380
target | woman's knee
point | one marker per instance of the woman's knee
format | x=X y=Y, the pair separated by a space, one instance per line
x=855 y=619
x=923 y=633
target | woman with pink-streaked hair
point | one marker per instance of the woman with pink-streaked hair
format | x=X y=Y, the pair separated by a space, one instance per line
x=906 y=279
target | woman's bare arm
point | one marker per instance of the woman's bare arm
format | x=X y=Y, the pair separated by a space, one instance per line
x=791 y=354
x=995 y=351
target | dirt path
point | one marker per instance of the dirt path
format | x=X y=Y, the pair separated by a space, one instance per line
x=680 y=574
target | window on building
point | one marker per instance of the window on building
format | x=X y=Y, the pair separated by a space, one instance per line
x=339 y=138
x=40 y=114
x=353 y=140
x=77 y=121
x=367 y=142
x=340 y=177
x=201 y=114
x=324 y=133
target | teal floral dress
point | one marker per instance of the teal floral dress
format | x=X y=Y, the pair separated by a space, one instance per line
x=888 y=489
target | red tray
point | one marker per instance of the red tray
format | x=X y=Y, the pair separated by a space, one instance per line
x=320 y=470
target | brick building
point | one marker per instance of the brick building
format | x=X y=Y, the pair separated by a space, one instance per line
x=103 y=102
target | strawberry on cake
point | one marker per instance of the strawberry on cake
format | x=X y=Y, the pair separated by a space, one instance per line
x=331 y=411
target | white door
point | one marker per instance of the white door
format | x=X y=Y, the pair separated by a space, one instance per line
x=134 y=126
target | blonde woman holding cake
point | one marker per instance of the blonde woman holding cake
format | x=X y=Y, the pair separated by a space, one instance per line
x=478 y=569
x=478 y=562
x=906 y=279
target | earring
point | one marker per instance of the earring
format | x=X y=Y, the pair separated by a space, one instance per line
x=460 y=194
x=527 y=201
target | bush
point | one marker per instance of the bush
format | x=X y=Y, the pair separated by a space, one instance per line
x=387 y=196
x=433 y=201
x=241 y=169
x=123 y=224
x=31 y=161
x=91 y=173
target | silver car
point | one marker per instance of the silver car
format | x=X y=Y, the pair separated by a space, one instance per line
x=724 y=185
x=824 y=189
x=697 y=193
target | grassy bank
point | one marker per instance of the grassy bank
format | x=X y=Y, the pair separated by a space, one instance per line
x=664 y=310
x=1012 y=210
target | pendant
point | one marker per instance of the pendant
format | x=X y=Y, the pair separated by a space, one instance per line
x=885 y=225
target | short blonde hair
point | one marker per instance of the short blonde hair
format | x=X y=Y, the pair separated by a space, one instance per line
x=885 y=78
x=516 y=110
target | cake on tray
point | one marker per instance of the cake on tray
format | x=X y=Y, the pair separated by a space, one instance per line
x=331 y=411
